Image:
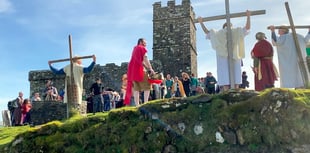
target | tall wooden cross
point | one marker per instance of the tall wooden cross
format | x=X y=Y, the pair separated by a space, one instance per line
x=301 y=63
x=299 y=52
x=229 y=44
x=71 y=86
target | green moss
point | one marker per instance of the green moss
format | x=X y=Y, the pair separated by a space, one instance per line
x=9 y=133
x=269 y=119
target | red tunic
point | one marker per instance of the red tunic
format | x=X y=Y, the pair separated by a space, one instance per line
x=264 y=52
x=26 y=108
x=135 y=70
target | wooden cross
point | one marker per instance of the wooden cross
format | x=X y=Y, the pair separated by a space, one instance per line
x=71 y=86
x=298 y=49
x=227 y=16
x=296 y=27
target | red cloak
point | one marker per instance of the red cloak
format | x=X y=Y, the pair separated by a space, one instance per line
x=264 y=52
x=135 y=70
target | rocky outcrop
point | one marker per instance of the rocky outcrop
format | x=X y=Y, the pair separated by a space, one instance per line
x=273 y=121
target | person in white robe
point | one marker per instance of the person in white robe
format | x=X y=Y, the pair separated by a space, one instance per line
x=78 y=75
x=289 y=68
x=219 y=44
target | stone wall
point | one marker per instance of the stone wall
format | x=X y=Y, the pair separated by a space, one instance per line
x=46 y=111
x=110 y=75
x=174 y=37
x=174 y=50
x=43 y=112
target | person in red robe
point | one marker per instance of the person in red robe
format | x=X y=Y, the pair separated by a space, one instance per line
x=137 y=76
x=26 y=106
x=265 y=71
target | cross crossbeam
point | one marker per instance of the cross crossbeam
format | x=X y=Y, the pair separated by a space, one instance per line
x=68 y=59
x=301 y=64
x=233 y=15
x=296 y=27
x=229 y=44
x=72 y=92
x=293 y=27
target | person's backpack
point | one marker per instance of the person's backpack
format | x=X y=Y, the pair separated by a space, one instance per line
x=12 y=104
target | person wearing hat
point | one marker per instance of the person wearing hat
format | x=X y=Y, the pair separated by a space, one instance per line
x=265 y=72
x=289 y=69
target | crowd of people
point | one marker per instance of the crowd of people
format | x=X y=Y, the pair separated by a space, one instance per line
x=102 y=99
x=18 y=111
x=137 y=86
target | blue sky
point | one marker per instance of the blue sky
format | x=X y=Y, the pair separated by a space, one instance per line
x=35 y=31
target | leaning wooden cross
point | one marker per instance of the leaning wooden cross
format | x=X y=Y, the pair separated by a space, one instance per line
x=227 y=16
x=301 y=63
x=71 y=86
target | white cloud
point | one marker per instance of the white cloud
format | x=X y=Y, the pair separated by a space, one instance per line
x=6 y=6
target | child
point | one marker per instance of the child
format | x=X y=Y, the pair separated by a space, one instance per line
x=25 y=111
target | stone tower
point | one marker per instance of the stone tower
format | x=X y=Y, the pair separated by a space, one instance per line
x=174 y=37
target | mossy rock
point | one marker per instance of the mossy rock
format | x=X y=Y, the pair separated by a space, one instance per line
x=275 y=120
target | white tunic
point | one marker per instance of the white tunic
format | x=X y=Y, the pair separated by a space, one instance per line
x=219 y=44
x=290 y=74
x=78 y=80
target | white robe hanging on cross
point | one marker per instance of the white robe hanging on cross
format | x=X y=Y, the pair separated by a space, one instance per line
x=218 y=41
x=78 y=76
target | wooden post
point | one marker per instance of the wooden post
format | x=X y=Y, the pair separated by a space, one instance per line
x=301 y=60
x=68 y=59
x=71 y=92
x=230 y=48
x=233 y=15
x=229 y=44
x=296 y=27
x=73 y=97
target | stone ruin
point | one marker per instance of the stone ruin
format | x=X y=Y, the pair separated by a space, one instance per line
x=45 y=111
x=174 y=50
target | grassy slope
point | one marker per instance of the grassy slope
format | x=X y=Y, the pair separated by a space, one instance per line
x=270 y=122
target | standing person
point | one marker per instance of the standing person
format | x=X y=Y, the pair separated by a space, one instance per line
x=107 y=100
x=115 y=99
x=17 y=114
x=201 y=85
x=123 y=87
x=289 y=69
x=186 y=84
x=264 y=69
x=36 y=97
x=245 y=83
x=169 y=83
x=26 y=106
x=50 y=92
x=210 y=82
x=177 y=88
x=137 y=76
x=97 y=89
x=163 y=90
x=219 y=44
x=194 y=84
x=78 y=75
